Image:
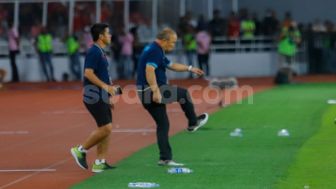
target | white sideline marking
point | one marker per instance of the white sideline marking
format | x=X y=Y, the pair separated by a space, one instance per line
x=26 y=170
x=331 y=101
x=32 y=174
x=60 y=112
x=132 y=130
x=51 y=166
x=14 y=132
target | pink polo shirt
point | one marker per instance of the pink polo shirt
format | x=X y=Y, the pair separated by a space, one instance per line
x=13 y=35
x=127 y=44
x=203 y=40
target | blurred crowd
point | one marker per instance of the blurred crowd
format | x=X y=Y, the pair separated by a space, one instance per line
x=197 y=34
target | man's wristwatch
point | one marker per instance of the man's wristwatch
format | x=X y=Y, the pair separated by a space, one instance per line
x=189 y=68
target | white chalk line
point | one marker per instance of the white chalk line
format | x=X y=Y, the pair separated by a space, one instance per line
x=133 y=130
x=55 y=165
x=60 y=112
x=14 y=132
x=26 y=170
x=34 y=173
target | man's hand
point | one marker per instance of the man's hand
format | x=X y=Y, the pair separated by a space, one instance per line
x=157 y=96
x=110 y=89
x=197 y=71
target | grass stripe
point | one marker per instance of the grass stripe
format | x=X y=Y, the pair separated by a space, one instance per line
x=315 y=163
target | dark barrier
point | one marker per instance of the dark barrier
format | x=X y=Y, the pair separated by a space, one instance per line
x=321 y=52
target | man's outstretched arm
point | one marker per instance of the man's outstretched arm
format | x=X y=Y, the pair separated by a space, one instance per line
x=184 y=68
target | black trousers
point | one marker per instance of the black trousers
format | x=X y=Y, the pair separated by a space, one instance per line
x=203 y=62
x=12 y=57
x=159 y=113
x=47 y=66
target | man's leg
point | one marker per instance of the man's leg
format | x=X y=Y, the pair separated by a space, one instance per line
x=78 y=66
x=15 y=74
x=44 y=65
x=2 y=77
x=100 y=163
x=97 y=136
x=159 y=114
x=190 y=57
x=72 y=64
x=177 y=94
x=121 y=67
x=200 y=61
x=50 y=65
x=102 y=114
x=102 y=148
x=206 y=64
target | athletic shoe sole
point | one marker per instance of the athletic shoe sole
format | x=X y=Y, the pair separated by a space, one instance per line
x=96 y=171
x=201 y=124
x=174 y=164
x=73 y=153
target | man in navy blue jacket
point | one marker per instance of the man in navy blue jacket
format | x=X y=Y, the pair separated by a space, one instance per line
x=155 y=93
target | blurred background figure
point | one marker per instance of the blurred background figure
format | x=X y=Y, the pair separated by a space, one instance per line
x=287 y=22
x=87 y=39
x=126 y=40
x=189 y=44
x=217 y=25
x=270 y=23
x=289 y=40
x=116 y=52
x=248 y=26
x=44 y=48
x=203 y=40
x=202 y=23
x=137 y=49
x=233 y=26
x=14 y=49
x=73 y=52
x=2 y=77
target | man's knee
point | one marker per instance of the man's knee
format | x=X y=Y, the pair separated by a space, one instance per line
x=184 y=95
x=107 y=129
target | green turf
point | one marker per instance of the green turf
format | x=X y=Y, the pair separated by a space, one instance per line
x=315 y=164
x=260 y=159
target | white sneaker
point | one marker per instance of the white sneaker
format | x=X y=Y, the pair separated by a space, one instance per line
x=201 y=121
x=170 y=163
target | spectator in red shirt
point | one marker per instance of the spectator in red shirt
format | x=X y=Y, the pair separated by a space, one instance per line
x=233 y=26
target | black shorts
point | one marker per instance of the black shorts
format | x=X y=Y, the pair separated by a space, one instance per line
x=100 y=111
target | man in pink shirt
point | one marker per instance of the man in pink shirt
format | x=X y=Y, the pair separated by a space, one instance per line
x=203 y=40
x=13 y=46
x=126 y=41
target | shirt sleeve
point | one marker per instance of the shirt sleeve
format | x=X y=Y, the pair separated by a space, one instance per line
x=153 y=60
x=167 y=62
x=91 y=60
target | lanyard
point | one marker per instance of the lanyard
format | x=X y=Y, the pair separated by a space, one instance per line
x=103 y=52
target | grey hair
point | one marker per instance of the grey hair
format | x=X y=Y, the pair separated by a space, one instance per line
x=165 y=34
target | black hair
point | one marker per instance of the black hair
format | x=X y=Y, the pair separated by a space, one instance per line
x=97 y=29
